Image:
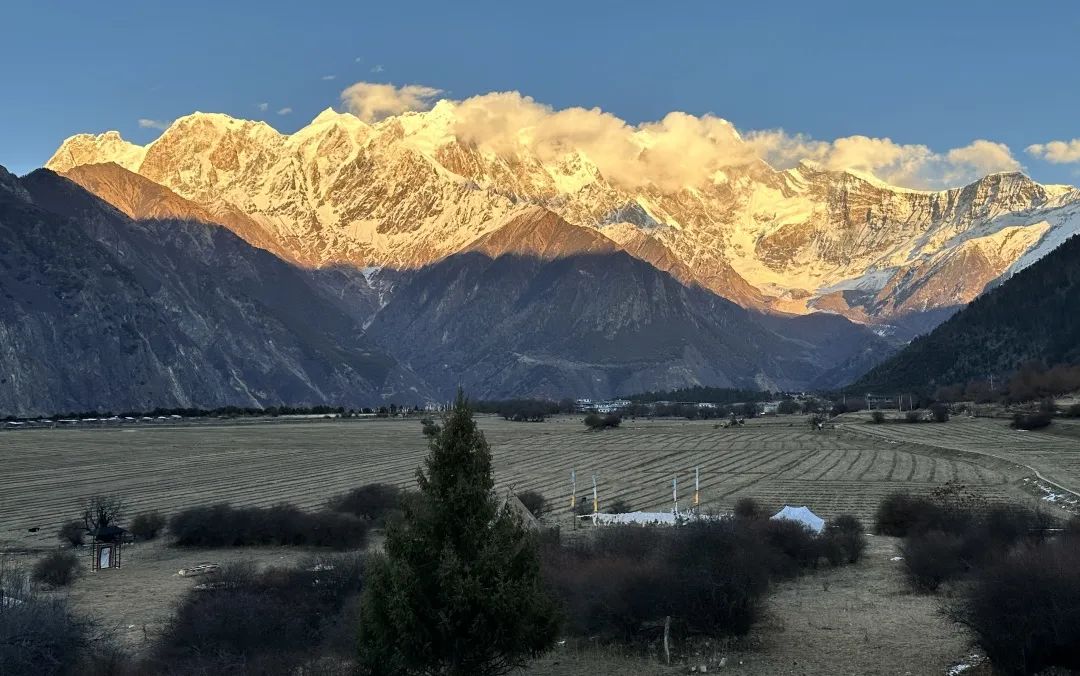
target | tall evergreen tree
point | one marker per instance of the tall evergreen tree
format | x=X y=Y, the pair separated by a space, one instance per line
x=458 y=591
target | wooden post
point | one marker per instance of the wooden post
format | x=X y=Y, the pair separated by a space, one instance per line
x=675 y=493
x=697 y=486
x=595 y=499
x=573 y=489
x=667 y=639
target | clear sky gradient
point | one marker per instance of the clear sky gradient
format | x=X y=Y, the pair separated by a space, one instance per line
x=936 y=73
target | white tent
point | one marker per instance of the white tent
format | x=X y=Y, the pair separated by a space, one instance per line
x=803 y=515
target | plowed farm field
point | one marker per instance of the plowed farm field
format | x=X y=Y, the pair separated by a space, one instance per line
x=46 y=473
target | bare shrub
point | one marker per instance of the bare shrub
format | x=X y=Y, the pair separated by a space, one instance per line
x=72 y=533
x=148 y=525
x=877 y=417
x=222 y=525
x=276 y=619
x=914 y=416
x=844 y=540
x=619 y=506
x=41 y=636
x=374 y=502
x=940 y=412
x=709 y=578
x=718 y=578
x=748 y=508
x=1024 y=610
x=58 y=569
x=794 y=546
x=1031 y=421
x=595 y=421
x=534 y=501
x=900 y=514
x=932 y=558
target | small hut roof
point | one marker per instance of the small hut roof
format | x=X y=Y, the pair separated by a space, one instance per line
x=106 y=533
x=517 y=507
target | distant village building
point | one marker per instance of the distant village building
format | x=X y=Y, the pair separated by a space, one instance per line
x=611 y=406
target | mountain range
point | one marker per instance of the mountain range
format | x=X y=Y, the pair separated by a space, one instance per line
x=352 y=263
x=412 y=189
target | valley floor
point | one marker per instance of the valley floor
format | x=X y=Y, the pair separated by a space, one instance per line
x=852 y=620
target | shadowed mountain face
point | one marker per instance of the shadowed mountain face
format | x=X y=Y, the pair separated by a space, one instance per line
x=1031 y=316
x=141 y=199
x=137 y=300
x=511 y=318
x=104 y=312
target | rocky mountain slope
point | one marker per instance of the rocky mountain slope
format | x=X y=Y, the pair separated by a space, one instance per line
x=104 y=311
x=1031 y=316
x=574 y=313
x=410 y=190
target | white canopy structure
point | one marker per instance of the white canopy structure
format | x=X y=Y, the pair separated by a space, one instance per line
x=803 y=515
x=639 y=518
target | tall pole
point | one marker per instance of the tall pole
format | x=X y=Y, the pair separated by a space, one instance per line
x=595 y=499
x=675 y=493
x=573 y=489
x=697 y=486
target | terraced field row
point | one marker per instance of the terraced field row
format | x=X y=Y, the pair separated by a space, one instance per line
x=48 y=472
x=1057 y=456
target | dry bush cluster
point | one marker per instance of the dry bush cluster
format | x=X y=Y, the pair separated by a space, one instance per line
x=596 y=421
x=223 y=525
x=1012 y=576
x=375 y=503
x=270 y=622
x=57 y=569
x=708 y=577
x=41 y=636
x=148 y=525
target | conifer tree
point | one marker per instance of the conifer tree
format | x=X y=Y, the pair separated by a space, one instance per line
x=458 y=591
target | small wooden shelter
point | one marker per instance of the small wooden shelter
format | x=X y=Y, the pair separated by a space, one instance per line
x=106 y=546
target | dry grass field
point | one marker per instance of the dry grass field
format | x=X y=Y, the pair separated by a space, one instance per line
x=857 y=619
x=1053 y=451
x=776 y=460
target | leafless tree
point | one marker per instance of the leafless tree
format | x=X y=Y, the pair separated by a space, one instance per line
x=102 y=511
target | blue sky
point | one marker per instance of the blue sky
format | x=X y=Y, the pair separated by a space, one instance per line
x=936 y=74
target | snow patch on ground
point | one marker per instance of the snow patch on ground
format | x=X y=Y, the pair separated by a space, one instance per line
x=1054 y=495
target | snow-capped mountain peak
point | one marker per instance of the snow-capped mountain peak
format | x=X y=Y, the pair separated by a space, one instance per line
x=413 y=188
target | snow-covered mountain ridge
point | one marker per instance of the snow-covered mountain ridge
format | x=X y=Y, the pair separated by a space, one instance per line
x=412 y=189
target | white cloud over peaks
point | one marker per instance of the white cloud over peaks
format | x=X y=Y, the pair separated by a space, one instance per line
x=147 y=123
x=372 y=102
x=1057 y=152
x=678 y=150
x=263 y=106
x=908 y=165
x=284 y=111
